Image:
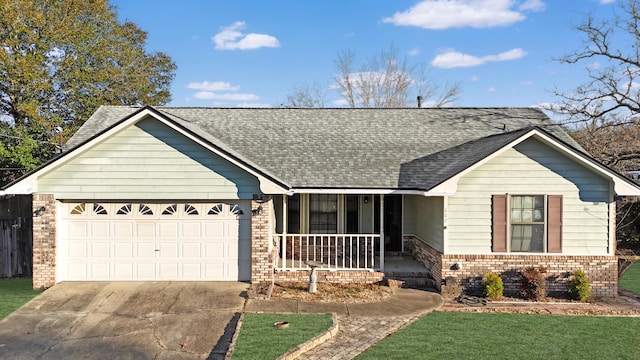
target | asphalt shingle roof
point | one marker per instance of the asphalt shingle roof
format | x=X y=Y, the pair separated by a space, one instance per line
x=349 y=148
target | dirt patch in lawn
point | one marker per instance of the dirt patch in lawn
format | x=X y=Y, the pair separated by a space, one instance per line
x=327 y=292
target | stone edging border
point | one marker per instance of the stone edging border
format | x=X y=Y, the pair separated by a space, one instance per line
x=236 y=332
x=310 y=344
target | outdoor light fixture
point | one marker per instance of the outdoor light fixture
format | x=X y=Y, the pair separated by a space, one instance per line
x=39 y=212
x=456 y=266
x=257 y=211
x=366 y=200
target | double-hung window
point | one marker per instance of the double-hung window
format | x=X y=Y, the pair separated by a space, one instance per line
x=323 y=213
x=527 y=223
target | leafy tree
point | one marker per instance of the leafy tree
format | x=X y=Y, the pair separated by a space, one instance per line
x=383 y=81
x=59 y=61
x=603 y=112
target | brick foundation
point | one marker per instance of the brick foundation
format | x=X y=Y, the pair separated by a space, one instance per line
x=44 y=241
x=351 y=276
x=602 y=271
x=261 y=256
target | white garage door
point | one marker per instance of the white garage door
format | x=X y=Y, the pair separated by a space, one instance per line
x=153 y=241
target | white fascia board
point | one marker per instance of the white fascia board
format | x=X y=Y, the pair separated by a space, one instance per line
x=364 y=191
x=621 y=186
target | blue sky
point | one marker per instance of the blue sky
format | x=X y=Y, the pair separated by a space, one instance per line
x=253 y=53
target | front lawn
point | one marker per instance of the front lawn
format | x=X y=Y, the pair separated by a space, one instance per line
x=630 y=280
x=451 y=335
x=259 y=339
x=15 y=293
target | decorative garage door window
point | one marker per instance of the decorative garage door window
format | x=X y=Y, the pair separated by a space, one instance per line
x=148 y=210
x=124 y=209
x=81 y=209
x=218 y=209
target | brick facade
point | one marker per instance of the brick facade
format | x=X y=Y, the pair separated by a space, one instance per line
x=44 y=241
x=602 y=271
x=261 y=255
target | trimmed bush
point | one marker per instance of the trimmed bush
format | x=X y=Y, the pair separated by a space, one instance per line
x=533 y=284
x=579 y=288
x=493 y=286
x=451 y=288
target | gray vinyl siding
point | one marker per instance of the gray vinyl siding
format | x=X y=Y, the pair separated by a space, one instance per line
x=531 y=168
x=148 y=160
x=424 y=217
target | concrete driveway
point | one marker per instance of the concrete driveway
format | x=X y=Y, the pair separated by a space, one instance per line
x=125 y=320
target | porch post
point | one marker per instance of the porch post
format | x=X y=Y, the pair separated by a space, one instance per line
x=381 y=232
x=283 y=242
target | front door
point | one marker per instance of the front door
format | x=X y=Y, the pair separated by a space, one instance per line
x=392 y=221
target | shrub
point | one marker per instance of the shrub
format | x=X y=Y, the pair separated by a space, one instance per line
x=493 y=286
x=451 y=288
x=579 y=288
x=533 y=283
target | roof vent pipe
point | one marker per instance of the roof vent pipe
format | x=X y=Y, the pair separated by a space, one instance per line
x=419 y=101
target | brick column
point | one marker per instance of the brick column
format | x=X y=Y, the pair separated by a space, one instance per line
x=261 y=257
x=44 y=241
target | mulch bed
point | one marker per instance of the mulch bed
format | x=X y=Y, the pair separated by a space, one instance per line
x=327 y=292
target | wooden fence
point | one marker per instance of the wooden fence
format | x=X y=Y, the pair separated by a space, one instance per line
x=16 y=237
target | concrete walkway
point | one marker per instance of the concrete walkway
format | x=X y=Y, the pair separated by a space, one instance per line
x=361 y=325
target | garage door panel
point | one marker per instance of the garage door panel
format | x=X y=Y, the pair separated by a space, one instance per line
x=192 y=229
x=191 y=250
x=191 y=271
x=168 y=250
x=168 y=230
x=100 y=229
x=123 y=229
x=169 y=271
x=145 y=270
x=77 y=229
x=156 y=241
x=99 y=271
x=146 y=230
x=77 y=250
x=145 y=250
x=123 y=271
x=77 y=270
x=214 y=229
x=100 y=249
x=123 y=250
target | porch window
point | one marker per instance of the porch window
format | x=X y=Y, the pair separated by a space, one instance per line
x=352 y=213
x=527 y=223
x=293 y=214
x=323 y=213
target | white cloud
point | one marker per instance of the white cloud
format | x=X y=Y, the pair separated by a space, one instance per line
x=453 y=59
x=607 y=1
x=491 y=90
x=208 y=95
x=212 y=86
x=527 y=83
x=231 y=38
x=413 y=52
x=474 y=78
x=445 y=14
x=594 y=66
x=532 y=5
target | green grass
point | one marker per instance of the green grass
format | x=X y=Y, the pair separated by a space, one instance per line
x=450 y=335
x=15 y=293
x=258 y=339
x=630 y=280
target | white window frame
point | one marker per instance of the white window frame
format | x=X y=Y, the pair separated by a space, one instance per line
x=545 y=224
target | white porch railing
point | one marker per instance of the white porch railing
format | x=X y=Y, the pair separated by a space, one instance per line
x=335 y=251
